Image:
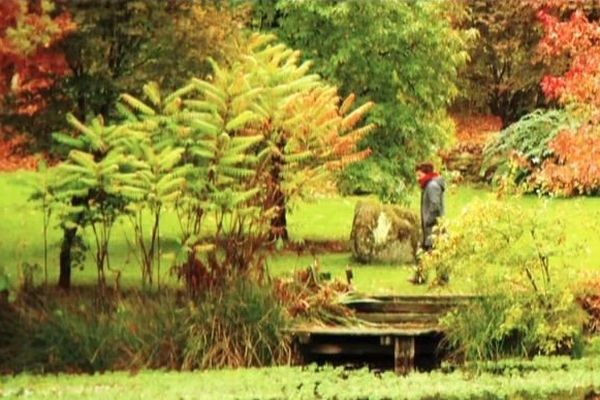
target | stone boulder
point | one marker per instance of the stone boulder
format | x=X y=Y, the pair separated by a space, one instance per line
x=384 y=233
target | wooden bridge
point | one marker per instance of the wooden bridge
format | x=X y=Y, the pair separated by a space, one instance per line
x=400 y=329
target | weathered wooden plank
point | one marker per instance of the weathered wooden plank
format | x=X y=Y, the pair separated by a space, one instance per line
x=416 y=298
x=406 y=330
x=385 y=325
x=404 y=354
x=403 y=307
x=400 y=318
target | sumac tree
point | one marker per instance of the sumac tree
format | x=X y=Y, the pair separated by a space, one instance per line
x=233 y=150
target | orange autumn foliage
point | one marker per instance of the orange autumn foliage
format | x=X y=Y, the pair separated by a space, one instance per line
x=589 y=299
x=30 y=60
x=575 y=167
x=476 y=128
x=14 y=154
x=473 y=131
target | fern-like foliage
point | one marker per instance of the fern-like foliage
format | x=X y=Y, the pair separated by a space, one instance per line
x=88 y=185
x=237 y=147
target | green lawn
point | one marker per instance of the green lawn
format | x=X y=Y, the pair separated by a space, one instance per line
x=550 y=378
x=326 y=218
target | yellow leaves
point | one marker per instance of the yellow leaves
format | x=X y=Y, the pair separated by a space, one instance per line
x=74 y=122
x=200 y=105
x=213 y=93
x=152 y=91
x=355 y=116
x=178 y=94
x=348 y=159
x=348 y=102
x=205 y=127
x=137 y=104
x=242 y=120
x=204 y=248
x=258 y=40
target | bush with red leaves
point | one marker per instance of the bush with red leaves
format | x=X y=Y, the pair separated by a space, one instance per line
x=15 y=153
x=589 y=299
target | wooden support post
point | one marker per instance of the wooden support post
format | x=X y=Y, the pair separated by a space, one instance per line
x=303 y=338
x=404 y=354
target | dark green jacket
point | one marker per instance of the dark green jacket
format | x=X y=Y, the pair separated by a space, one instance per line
x=432 y=207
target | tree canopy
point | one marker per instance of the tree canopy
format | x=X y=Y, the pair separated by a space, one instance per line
x=383 y=52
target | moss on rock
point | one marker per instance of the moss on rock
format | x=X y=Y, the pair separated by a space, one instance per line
x=384 y=233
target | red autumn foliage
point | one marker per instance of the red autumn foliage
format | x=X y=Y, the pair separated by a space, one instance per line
x=575 y=167
x=579 y=40
x=589 y=299
x=30 y=60
x=14 y=153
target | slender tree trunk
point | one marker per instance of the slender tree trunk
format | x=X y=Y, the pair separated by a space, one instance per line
x=64 y=279
x=279 y=222
x=66 y=248
x=45 y=247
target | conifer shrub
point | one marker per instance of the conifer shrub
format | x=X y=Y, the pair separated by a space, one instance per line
x=522 y=151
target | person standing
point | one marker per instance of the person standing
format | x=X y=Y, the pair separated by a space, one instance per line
x=432 y=201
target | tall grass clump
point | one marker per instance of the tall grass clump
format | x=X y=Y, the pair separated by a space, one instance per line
x=239 y=327
x=48 y=331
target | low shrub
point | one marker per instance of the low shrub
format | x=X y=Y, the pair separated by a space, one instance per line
x=550 y=152
x=240 y=327
x=589 y=299
x=551 y=378
x=575 y=168
x=368 y=177
x=508 y=325
x=521 y=148
x=510 y=256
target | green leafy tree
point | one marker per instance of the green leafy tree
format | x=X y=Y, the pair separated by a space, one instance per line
x=235 y=148
x=159 y=176
x=390 y=62
x=45 y=197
